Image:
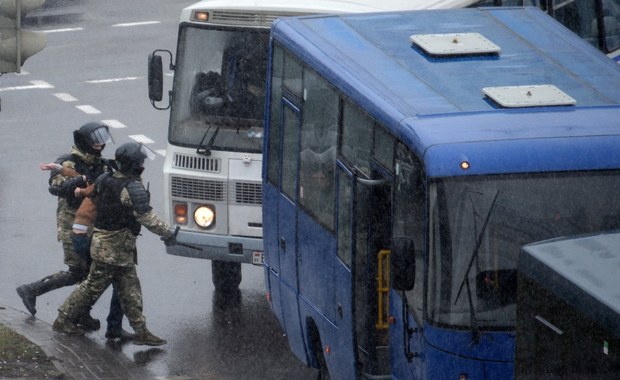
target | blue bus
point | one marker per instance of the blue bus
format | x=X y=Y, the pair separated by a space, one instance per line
x=407 y=159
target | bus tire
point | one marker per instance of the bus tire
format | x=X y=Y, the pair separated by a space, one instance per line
x=317 y=347
x=226 y=275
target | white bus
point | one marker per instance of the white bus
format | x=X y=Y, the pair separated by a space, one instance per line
x=212 y=170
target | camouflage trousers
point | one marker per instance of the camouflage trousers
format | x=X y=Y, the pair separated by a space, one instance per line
x=125 y=281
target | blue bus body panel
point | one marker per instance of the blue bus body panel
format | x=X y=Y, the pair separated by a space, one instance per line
x=371 y=58
x=450 y=352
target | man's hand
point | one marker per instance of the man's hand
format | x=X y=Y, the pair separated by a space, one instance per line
x=170 y=240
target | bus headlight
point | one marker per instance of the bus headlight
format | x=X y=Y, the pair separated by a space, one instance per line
x=204 y=216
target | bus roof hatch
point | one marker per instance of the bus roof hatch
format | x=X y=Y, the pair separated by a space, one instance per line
x=454 y=44
x=529 y=96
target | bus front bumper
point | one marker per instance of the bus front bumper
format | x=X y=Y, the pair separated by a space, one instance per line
x=213 y=247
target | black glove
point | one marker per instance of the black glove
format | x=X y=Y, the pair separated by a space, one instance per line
x=170 y=240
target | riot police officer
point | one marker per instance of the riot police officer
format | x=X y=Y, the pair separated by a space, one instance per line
x=123 y=206
x=75 y=171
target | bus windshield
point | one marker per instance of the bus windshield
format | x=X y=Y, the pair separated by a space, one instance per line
x=478 y=226
x=219 y=88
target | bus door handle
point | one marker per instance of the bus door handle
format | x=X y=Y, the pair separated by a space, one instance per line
x=282 y=244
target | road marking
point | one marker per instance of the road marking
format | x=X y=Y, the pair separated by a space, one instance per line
x=88 y=109
x=35 y=84
x=114 y=124
x=140 y=23
x=161 y=152
x=62 y=30
x=111 y=80
x=141 y=139
x=65 y=97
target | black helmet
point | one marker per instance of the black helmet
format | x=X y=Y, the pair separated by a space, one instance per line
x=130 y=157
x=91 y=134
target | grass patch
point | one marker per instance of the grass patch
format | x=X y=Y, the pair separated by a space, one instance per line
x=20 y=358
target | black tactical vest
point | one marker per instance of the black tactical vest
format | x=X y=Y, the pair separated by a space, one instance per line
x=112 y=215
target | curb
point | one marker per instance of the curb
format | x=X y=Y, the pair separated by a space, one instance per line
x=76 y=357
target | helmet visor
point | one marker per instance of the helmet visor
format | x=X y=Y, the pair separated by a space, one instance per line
x=100 y=136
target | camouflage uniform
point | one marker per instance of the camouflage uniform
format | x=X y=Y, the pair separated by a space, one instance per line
x=65 y=212
x=72 y=172
x=77 y=168
x=114 y=262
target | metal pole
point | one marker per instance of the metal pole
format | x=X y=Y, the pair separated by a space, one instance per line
x=18 y=35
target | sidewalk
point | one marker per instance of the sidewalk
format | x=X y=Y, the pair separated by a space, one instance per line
x=77 y=357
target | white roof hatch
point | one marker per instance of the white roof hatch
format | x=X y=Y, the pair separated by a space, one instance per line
x=452 y=44
x=529 y=96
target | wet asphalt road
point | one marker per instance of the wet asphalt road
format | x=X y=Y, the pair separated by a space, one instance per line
x=102 y=65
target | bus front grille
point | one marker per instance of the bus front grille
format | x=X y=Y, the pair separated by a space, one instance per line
x=205 y=164
x=246 y=193
x=201 y=189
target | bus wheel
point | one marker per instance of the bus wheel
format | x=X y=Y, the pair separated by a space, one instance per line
x=317 y=346
x=226 y=275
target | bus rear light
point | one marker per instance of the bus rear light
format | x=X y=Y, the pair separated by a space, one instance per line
x=201 y=16
x=392 y=320
x=180 y=213
x=328 y=350
x=204 y=216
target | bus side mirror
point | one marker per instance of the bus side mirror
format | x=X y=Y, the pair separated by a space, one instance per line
x=402 y=264
x=155 y=77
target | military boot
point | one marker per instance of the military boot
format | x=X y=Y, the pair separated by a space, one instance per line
x=120 y=334
x=145 y=338
x=29 y=292
x=64 y=325
x=26 y=293
x=88 y=323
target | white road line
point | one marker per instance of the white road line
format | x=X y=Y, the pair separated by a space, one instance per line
x=65 y=97
x=62 y=30
x=35 y=84
x=88 y=109
x=114 y=124
x=140 y=23
x=111 y=80
x=161 y=152
x=41 y=84
x=141 y=139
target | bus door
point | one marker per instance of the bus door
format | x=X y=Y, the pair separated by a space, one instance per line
x=287 y=228
x=363 y=236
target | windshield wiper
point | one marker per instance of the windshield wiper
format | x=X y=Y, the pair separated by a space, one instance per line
x=474 y=324
x=206 y=149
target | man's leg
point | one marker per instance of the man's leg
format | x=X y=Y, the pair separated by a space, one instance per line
x=130 y=295
x=83 y=298
x=77 y=272
x=81 y=247
x=115 y=320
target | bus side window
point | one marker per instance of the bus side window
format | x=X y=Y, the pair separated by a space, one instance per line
x=319 y=134
x=357 y=134
x=275 y=116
